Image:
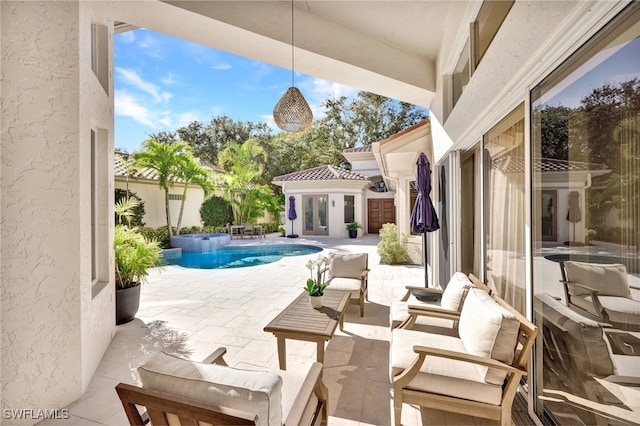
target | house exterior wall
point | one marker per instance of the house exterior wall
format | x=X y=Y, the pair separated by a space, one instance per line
x=335 y=192
x=154 y=204
x=55 y=323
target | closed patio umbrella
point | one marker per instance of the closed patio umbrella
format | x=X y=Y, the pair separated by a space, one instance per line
x=292 y=215
x=574 y=215
x=423 y=215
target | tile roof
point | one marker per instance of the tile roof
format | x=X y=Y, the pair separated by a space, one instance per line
x=122 y=159
x=321 y=173
x=366 y=148
x=513 y=164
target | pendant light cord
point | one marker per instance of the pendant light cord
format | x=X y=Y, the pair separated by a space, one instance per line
x=292 y=44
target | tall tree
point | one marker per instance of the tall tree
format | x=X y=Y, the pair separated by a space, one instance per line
x=190 y=172
x=165 y=160
x=368 y=118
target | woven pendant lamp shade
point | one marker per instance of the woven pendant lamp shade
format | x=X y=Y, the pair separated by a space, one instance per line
x=292 y=113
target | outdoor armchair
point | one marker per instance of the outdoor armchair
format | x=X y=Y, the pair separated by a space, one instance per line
x=350 y=273
x=476 y=372
x=601 y=291
x=405 y=313
x=180 y=391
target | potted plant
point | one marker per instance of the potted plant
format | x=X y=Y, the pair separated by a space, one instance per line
x=134 y=255
x=315 y=287
x=353 y=227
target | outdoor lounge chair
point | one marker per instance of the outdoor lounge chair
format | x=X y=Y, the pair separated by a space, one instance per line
x=451 y=301
x=476 y=372
x=179 y=391
x=349 y=272
x=601 y=291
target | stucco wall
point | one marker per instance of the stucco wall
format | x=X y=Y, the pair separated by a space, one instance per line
x=54 y=330
x=154 y=204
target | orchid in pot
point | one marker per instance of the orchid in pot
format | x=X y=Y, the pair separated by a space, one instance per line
x=315 y=286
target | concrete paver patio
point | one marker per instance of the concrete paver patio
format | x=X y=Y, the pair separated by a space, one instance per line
x=193 y=311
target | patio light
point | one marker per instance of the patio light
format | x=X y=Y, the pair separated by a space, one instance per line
x=292 y=113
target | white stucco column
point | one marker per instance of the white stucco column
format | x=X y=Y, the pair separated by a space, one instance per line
x=55 y=324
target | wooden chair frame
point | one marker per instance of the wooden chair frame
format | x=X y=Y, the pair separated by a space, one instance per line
x=189 y=412
x=516 y=370
x=364 y=284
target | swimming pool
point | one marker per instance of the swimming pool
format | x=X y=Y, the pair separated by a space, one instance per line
x=240 y=257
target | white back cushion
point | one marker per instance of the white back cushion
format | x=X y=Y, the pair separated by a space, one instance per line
x=254 y=392
x=609 y=280
x=488 y=330
x=453 y=296
x=347 y=265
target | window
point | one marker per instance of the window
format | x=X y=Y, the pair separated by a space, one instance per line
x=100 y=54
x=94 y=207
x=586 y=153
x=461 y=75
x=349 y=208
x=486 y=26
x=504 y=204
x=315 y=214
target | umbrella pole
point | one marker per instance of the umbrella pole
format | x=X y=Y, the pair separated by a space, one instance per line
x=424 y=248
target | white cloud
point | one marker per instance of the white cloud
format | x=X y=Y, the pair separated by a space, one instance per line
x=169 y=80
x=127 y=106
x=132 y=78
x=221 y=67
x=127 y=37
x=323 y=89
x=268 y=118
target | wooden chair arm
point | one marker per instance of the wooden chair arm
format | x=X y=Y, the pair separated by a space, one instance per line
x=158 y=403
x=216 y=357
x=312 y=383
x=364 y=273
x=634 y=287
x=461 y=356
x=429 y=311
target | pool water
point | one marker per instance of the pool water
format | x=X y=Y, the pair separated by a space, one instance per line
x=240 y=257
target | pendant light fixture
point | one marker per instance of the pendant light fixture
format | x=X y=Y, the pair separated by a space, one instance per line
x=292 y=113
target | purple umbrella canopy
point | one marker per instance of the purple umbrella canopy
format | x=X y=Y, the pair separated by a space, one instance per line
x=423 y=216
x=292 y=215
x=292 y=208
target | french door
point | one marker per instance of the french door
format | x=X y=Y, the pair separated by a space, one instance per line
x=315 y=214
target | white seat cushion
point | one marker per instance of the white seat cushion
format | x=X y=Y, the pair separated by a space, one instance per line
x=254 y=392
x=621 y=309
x=440 y=375
x=488 y=330
x=455 y=292
x=351 y=285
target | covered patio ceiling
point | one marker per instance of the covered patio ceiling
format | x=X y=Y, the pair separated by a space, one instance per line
x=387 y=47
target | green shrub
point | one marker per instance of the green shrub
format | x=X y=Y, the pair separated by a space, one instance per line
x=216 y=211
x=282 y=230
x=392 y=248
x=161 y=235
x=137 y=211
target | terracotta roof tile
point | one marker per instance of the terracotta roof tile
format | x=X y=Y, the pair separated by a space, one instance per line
x=123 y=158
x=365 y=148
x=321 y=173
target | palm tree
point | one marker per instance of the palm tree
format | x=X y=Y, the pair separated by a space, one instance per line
x=165 y=160
x=243 y=164
x=192 y=172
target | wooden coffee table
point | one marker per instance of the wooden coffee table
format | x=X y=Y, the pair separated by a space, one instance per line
x=300 y=321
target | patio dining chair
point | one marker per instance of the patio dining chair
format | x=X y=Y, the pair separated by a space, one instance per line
x=177 y=391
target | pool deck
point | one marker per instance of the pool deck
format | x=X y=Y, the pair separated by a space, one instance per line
x=194 y=311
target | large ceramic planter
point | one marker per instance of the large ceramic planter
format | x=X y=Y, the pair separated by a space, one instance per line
x=127 y=304
x=353 y=233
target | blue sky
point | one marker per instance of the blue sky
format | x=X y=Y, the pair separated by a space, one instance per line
x=162 y=83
